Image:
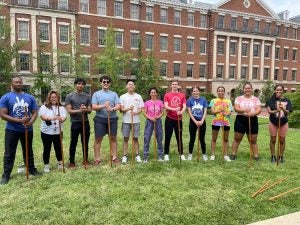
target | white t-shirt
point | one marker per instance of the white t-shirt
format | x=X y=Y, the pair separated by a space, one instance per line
x=127 y=100
x=54 y=127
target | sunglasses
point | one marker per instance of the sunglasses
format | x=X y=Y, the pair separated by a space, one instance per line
x=105 y=82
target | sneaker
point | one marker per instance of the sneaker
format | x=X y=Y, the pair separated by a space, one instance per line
x=160 y=159
x=167 y=158
x=204 y=157
x=213 y=157
x=21 y=169
x=116 y=161
x=182 y=157
x=59 y=166
x=47 y=168
x=280 y=158
x=273 y=159
x=227 y=159
x=4 y=180
x=97 y=162
x=34 y=172
x=145 y=161
x=256 y=158
x=233 y=157
x=190 y=156
x=138 y=159
x=85 y=162
x=124 y=159
x=72 y=165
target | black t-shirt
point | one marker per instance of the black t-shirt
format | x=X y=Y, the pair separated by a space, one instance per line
x=76 y=100
x=272 y=103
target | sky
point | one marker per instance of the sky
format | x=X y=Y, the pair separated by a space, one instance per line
x=293 y=6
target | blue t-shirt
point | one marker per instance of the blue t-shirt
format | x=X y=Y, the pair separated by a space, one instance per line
x=15 y=104
x=100 y=97
x=197 y=106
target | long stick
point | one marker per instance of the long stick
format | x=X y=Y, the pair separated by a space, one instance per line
x=60 y=140
x=154 y=139
x=272 y=185
x=261 y=188
x=198 y=145
x=250 y=133
x=132 y=138
x=284 y=193
x=83 y=139
x=223 y=133
x=278 y=138
x=110 y=151
x=179 y=136
x=26 y=144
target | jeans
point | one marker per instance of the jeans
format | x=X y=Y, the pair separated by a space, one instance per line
x=149 y=127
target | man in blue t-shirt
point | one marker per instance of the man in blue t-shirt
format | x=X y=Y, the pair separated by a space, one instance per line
x=19 y=109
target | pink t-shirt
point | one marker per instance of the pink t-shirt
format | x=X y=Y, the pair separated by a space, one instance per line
x=153 y=108
x=174 y=99
x=248 y=103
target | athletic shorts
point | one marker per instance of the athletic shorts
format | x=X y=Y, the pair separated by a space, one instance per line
x=226 y=128
x=241 y=124
x=101 y=127
x=126 y=128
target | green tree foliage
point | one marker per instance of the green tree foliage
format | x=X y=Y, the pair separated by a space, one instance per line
x=294 y=117
x=267 y=91
x=238 y=90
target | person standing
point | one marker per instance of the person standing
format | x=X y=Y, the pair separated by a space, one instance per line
x=153 y=111
x=278 y=107
x=197 y=109
x=131 y=105
x=105 y=102
x=247 y=107
x=52 y=113
x=221 y=109
x=19 y=109
x=78 y=103
x=175 y=105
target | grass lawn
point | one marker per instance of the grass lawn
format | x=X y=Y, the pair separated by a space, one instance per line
x=155 y=193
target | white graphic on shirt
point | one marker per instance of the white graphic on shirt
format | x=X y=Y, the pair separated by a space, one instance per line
x=19 y=108
x=197 y=110
x=175 y=102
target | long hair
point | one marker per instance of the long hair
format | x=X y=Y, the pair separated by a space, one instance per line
x=48 y=103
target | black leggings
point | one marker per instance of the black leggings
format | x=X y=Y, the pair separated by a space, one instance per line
x=193 y=130
x=171 y=125
x=47 y=140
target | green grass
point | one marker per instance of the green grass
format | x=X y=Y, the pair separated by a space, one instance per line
x=155 y=193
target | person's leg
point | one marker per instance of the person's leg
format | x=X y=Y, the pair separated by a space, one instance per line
x=31 y=165
x=97 y=147
x=193 y=130
x=75 y=131
x=126 y=132
x=100 y=130
x=178 y=133
x=136 y=134
x=87 y=138
x=159 y=137
x=57 y=147
x=113 y=138
x=273 y=136
x=283 y=132
x=147 y=137
x=214 y=136
x=202 y=137
x=226 y=142
x=254 y=145
x=47 y=142
x=236 y=142
x=168 y=134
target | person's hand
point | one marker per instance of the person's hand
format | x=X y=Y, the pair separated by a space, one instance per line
x=179 y=113
x=177 y=109
x=24 y=120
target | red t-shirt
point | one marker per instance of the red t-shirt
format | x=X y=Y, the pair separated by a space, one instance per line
x=174 y=99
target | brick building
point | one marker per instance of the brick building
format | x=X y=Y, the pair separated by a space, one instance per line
x=201 y=44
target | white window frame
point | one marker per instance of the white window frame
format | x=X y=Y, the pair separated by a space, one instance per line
x=45 y=38
x=60 y=26
x=24 y=37
x=85 y=35
x=134 y=11
x=84 y=6
x=118 y=8
x=101 y=7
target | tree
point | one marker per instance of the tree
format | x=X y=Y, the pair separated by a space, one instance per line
x=267 y=91
x=238 y=90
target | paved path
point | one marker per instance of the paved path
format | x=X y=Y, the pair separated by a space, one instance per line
x=290 y=219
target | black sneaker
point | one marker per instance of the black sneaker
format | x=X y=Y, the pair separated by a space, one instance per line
x=273 y=159
x=35 y=172
x=233 y=157
x=280 y=158
x=256 y=158
x=4 y=181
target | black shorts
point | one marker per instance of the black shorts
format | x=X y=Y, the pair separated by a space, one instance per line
x=226 y=128
x=241 y=124
x=101 y=127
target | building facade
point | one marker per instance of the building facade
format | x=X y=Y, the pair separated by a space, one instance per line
x=199 y=44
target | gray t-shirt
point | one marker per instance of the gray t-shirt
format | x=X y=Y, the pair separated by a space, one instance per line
x=76 y=100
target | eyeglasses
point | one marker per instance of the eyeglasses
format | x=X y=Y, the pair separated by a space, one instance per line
x=105 y=82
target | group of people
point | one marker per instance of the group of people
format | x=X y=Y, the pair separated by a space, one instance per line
x=20 y=110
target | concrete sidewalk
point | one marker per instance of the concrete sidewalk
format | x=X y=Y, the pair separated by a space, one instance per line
x=290 y=219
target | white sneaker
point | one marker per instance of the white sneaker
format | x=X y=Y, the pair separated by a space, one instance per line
x=59 y=166
x=226 y=158
x=212 y=157
x=138 y=159
x=205 y=157
x=21 y=169
x=182 y=157
x=160 y=159
x=124 y=159
x=190 y=156
x=167 y=158
x=145 y=161
x=47 y=168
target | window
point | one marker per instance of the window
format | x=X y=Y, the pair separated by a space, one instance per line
x=118 y=8
x=44 y=63
x=220 y=23
x=44 y=31
x=84 y=35
x=189 y=70
x=119 y=39
x=24 y=62
x=176 y=69
x=255 y=73
x=149 y=41
x=84 y=6
x=163 y=69
x=256 y=26
x=191 y=19
x=190 y=45
x=23 y=30
x=63 y=4
x=101 y=7
x=244 y=49
x=203 y=23
x=23 y=2
x=232 y=48
x=134 y=11
x=177 y=44
x=266 y=73
x=245 y=25
x=202 y=71
x=286 y=32
x=285 y=71
x=221 y=47
x=163 y=15
x=202 y=46
x=43 y=3
x=294 y=75
x=231 y=72
x=277 y=30
x=276 y=71
x=85 y=65
x=256 y=50
x=134 y=40
x=177 y=17
x=102 y=37
x=244 y=72
x=267 y=51
x=286 y=54
x=294 y=55
x=277 y=53
x=63 y=34
x=219 y=71
x=64 y=64
x=233 y=23
x=294 y=33
x=163 y=43
x=268 y=28
x=149 y=13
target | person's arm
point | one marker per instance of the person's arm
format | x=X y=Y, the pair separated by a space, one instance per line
x=191 y=115
x=5 y=116
x=204 y=116
x=33 y=117
x=167 y=107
